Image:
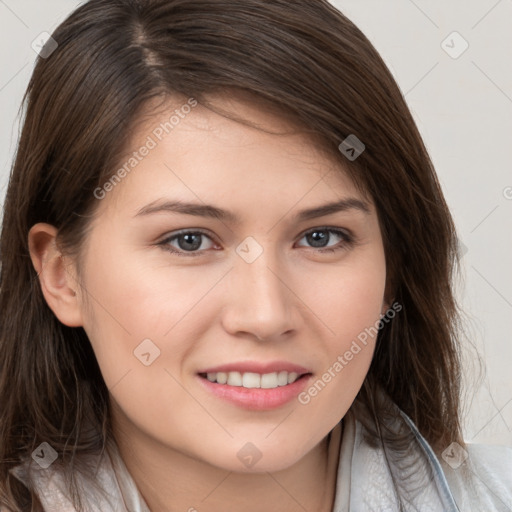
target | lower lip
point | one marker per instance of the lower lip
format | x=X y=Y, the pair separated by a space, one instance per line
x=257 y=399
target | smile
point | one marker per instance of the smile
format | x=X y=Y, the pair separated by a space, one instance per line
x=253 y=391
x=252 y=380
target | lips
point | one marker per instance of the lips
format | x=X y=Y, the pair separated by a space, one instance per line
x=255 y=367
x=252 y=391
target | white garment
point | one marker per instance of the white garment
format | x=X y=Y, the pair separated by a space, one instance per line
x=482 y=483
x=364 y=478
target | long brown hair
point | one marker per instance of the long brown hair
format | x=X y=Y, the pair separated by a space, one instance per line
x=309 y=62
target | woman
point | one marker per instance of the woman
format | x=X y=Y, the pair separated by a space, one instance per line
x=226 y=274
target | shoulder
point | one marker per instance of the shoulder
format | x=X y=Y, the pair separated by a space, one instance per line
x=480 y=474
x=492 y=458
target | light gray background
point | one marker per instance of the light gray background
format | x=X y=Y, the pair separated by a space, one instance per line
x=463 y=107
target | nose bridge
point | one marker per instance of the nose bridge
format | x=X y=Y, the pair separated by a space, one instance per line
x=263 y=285
x=260 y=301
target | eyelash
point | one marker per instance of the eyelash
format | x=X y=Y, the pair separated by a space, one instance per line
x=347 y=241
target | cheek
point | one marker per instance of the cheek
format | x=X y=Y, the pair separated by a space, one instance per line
x=134 y=316
x=350 y=307
x=134 y=298
x=354 y=318
x=127 y=306
x=133 y=301
x=352 y=298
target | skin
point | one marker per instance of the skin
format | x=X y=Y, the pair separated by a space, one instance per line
x=292 y=303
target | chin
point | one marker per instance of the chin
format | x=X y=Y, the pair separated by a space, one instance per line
x=254 y=457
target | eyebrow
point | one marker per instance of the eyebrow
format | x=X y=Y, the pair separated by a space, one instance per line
x=206 y=210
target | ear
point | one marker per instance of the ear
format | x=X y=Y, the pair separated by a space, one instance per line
x=57 y=280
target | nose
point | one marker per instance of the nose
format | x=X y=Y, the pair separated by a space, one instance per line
x=259 y=301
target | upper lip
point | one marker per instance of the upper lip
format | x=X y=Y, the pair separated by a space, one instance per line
x=255 y=367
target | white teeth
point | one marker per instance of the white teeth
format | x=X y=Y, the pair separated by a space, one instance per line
x=282 y=378
x=219 y=377
x=269 y=380
x=234 y=379
x=292 y=377
x=222 y=377
x=253 y=380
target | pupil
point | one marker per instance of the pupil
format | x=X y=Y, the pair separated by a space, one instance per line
x=189 y=239
x=317 y=238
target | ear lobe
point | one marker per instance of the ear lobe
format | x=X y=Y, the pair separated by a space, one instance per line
x=57 y=283
x=389 y=293
x=386 y=304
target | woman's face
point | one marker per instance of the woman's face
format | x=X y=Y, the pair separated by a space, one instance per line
x=202 y=257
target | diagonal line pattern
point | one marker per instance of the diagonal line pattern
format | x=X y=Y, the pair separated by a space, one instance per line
x=280 y=423
x=498 y=409
x=424 y=14
x=486 y=14
x=119 y=380
x=199 y=403
x=99 y=303
x=286 y=490
x=492 y=81
x=227 y=227
x=35 y=279
x=298 y=201
x=199 y=301
x=494 y=416
x=488 y=488
x=488 y=215
x=494 y=288
x=13 y=77
x=332 y=332
x=421 y=79
x=217 y=486
x=14 y=14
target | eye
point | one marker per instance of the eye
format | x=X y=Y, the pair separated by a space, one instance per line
x=190 y=243
x=319 y=238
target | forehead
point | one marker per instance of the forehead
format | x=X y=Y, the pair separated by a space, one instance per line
x=181 y=146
